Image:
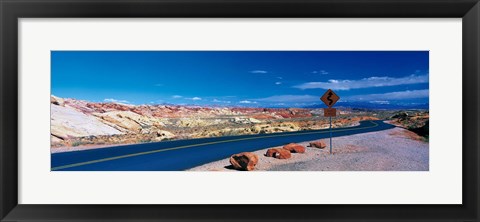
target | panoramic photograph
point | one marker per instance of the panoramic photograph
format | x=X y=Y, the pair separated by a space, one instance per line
x=232 y=111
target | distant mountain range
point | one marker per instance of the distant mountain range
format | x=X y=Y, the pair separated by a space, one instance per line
x=348 y=105
x=373 y=106
x=78 y=122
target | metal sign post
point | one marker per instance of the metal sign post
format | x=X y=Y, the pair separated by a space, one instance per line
x=330 y=135
x=330 y=98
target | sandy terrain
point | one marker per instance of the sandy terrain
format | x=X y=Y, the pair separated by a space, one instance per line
x=87 y=125
x=389 y=150
x=83 y=147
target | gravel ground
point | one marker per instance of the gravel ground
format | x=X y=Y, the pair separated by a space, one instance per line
x=389 y=150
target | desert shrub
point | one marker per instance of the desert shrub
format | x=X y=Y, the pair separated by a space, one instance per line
x=77 y=143
x=422 y=131
x=145 y=141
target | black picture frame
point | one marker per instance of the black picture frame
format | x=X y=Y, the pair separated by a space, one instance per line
x=12 y=10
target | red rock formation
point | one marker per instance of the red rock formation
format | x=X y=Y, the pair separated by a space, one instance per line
x=318 y=144
x=263 y=116
x=244 y=161
x=102 y=107
x=294 y=148
x=278 y=153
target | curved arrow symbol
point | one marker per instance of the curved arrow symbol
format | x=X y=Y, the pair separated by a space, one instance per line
x=330 y=94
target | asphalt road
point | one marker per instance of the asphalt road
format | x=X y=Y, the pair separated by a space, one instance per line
x=185 y=154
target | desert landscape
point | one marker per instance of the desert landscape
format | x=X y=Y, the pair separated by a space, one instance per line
x=363 y=152
x=239 y=110
x=80 y=125
x=77 y=124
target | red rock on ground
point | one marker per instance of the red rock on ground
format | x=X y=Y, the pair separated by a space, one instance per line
x=294 y=148
x=318 y=144
x=244 y=161
x=278 y=153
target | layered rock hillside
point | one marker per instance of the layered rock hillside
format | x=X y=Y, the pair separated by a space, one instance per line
x=417 y=122
x=79 y=123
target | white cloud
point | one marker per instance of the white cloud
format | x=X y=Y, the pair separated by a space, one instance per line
x=196 y=98
x=364 y=83
x=383 y=102
x=278 y=83
x=290 y=98
x=321 y=72
x=258 y=71
x=159 y=84
x=115 y=101
x=386 y=97
x=279 y=77
x=176 y=96
x=247 y=102
x=220 y=101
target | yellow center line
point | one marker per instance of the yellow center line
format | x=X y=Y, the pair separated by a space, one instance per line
x=200 y=144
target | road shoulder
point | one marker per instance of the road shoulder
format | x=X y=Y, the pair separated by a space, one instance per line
x=395 y=149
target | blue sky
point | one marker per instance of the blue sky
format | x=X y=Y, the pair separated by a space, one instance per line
x=241 y=78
